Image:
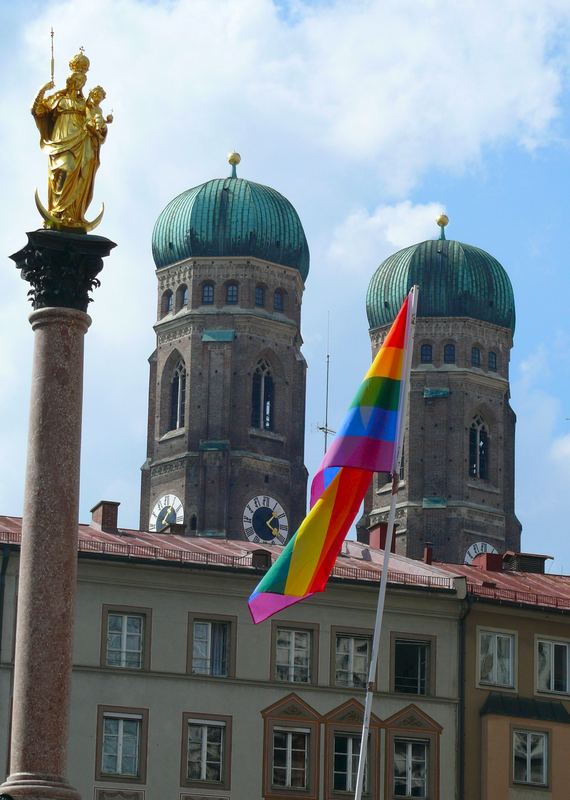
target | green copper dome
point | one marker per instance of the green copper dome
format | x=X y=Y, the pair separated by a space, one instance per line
x=231 y=217
x=455 y=280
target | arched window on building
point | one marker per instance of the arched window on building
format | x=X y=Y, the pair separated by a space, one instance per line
x=167 y=303
x=262 y=397
x=193 y=522
x=426 y=354
x=279 y=300
x=478 y=449
x=231 y=293
x=475 y=357
x=449 y=354
x=207 y=294
x=260 y=296
x=492 y=361
x=177 y=397
x=181 y=297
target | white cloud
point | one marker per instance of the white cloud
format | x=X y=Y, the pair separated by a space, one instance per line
x=364 y=239
x=335 y=104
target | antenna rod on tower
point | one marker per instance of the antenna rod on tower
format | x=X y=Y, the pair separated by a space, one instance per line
x=327 y=382
x=325 y=428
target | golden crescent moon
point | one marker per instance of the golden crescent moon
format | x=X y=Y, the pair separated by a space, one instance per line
x=57 y=224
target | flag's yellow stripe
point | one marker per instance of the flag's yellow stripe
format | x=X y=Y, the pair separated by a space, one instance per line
x=309 y=542
x=387 y=364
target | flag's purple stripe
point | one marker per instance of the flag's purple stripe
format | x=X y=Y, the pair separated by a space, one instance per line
x=364 y=453
x=375 y=423
x=322 y=479
x=265 y=604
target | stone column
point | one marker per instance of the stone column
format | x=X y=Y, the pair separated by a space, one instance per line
x=62 y=269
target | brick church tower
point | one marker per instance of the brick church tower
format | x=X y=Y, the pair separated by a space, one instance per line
x=227 y=379
x=458 y=471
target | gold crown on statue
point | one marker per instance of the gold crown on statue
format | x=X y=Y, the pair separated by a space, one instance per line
x=79 y=62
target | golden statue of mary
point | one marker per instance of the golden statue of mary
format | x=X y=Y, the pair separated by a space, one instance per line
x=72 y=130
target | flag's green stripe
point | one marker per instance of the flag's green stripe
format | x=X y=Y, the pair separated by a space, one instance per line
x=378 y=393
x=276 y=577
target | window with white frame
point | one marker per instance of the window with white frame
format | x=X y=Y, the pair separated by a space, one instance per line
x=262 y=397
x=345 y=762
x=210 y=648
x=496 y=658
x=289 y=769
x=530 y=758
x=205 y=754
x=352 y=659
x=293 y=655
x=411 y=666
x=125 y=640
x=552 y=666
x=478 y=449
x=120 y=753
x=178 y=397
x=410 y=768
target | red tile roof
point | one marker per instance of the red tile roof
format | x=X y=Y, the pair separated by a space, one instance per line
x=527 y=588
x=357 y=562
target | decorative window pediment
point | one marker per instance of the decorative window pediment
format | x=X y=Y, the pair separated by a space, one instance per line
x=413 y=718
x=350 y=713
x=291 y=707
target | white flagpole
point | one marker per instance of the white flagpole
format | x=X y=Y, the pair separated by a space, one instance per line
x=388 y=546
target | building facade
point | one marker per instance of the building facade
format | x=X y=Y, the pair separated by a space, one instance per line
x=457 y=477
x=176 y=694
x=515 y=684
x=227 y=379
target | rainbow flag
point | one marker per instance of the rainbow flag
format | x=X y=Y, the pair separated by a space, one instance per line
x=366 y=443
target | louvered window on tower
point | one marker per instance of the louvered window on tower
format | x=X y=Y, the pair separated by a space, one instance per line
x=262 y=397
x=478 y=449
x=178 y=397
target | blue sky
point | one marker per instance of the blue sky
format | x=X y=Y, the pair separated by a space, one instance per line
x=370 y=117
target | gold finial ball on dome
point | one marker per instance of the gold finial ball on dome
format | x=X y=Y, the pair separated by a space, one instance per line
x=234 y=158
x=442 y=220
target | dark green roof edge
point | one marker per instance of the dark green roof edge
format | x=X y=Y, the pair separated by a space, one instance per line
x=231 y=217
x=455 y=280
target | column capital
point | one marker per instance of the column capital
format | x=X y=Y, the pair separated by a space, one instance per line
x=62 y=267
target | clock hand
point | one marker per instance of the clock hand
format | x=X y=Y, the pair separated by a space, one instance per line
x=268 y=522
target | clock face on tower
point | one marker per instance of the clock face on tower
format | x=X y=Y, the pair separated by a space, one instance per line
x=264 y=520
x=476 y=548
x=167 y=510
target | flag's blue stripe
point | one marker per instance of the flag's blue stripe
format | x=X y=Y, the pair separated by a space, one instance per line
x=371 y=423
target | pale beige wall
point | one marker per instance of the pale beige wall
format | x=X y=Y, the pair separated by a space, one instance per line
x=167 y=691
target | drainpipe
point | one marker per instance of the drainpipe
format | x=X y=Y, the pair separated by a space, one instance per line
x=3 y=570
x=461 y=719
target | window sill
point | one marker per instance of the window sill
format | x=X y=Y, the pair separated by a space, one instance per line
x=172 y=434
x=483 y=485
x=261 y=434
x=496 y=687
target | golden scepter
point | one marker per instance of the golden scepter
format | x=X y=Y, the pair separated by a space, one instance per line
x=52 y=61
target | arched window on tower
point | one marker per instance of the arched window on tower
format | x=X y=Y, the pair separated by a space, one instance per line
x=426 y=354
x=166 y=303
x=449 y=354
x=278 y=300
x=475 y=357
x=207 y=294
x=181 y=297
x=262 y=397
x=231 y=293
x=492 y=361
x=177 y=397
x=478 y=449
x=259 y=296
